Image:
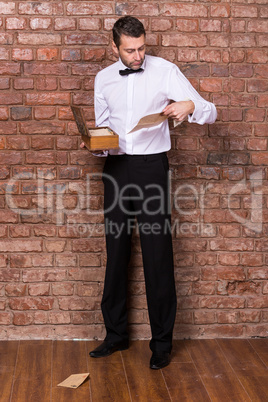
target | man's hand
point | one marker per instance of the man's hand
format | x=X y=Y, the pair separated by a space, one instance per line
x=179 y=110
x=82 y=145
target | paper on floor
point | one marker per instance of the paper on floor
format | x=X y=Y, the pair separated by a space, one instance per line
x=74 y=380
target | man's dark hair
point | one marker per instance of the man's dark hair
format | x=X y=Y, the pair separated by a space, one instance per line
x=129 y=26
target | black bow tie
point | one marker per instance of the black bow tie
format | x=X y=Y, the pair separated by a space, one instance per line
x=128 y=71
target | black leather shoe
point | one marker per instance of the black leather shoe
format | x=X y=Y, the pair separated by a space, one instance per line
x=159 y=360
x=107 y=348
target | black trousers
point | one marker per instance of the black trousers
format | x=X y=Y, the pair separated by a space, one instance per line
x=136 y=186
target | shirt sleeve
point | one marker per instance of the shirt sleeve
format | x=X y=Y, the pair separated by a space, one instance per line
x=100 y=106
x=101 y=113
x=180 y=89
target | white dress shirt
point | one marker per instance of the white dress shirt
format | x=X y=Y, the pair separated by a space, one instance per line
x=121 y=101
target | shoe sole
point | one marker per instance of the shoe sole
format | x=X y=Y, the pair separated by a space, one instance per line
x=108 y=354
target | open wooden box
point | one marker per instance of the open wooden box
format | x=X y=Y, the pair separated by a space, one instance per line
x=98 y=138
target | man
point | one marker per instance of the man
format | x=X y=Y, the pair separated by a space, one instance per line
x=135 y=180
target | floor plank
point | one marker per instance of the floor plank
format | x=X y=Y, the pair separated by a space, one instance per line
x=145 y=384
x=8 y=356
x=69 y=357
x=248 y=366
x=32 y=378
x=182 y=378
x=216 y=373
x=200 y=370
x=107 y=377
x=261 y=348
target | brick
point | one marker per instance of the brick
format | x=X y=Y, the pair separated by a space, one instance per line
x=70 y=83
x=4 y=83
x=210 y=55
x=222 y=10
x=47 y=99
x=39 y=39
x=11 y=68
x=219 y=40
x=261 y=40
x=31 y=303
x=4 y=174
x=71 y=55
x=23 y=83
x=257 y=26
x=181 y=40
x=261 y=71
x=257 y=144
x=262 y=101
x=221 y=302
x=86 y=39
x=46 y=84
x=7 y=7
x=47 y=54
x=211 y=84
x=227 y=317
x=40 y=23
x=56 y=246
x=229 y=259
x=210 y=26
x=36 y=127
x=16 y=23
x=244 y=11
x=44 y=113
x=40 y=8
x=257 y=302
x=42 y=142
x=89 y=24
x=39 y=289
x=185 y=25
x=6 y=39
x=63 y=24
x=238 y=26
x=204 y=288
x=242 y=70
x=204 y=317
x=76 y=303
x=242 y=40
x=158 y=24
x=10 y=158
x=254 y=115
x=21 y=113
x=44 y=157
x=85 y=8
x=94 y=54
x=45 y=231
x=28 y=245
x=195 y=70
x=257 y=85
x=46 y=68
x=62 y=317
x=41 y=275
x=183 y=10
x=187 y=55
x=249 y=316
x=22 y=318
x=232 y=245
x=3 y=113
x=234 y=173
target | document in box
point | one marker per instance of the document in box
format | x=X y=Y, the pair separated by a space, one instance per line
x=152 y=120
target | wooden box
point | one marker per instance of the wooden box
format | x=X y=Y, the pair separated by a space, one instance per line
x=98 y=138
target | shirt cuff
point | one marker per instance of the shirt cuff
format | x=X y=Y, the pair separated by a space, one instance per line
x=101 y=154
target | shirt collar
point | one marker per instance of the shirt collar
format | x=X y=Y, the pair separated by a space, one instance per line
x=123 y=67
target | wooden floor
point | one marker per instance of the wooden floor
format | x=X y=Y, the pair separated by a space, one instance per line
x=201 y=370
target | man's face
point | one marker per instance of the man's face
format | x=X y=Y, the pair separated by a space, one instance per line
x=131 y=51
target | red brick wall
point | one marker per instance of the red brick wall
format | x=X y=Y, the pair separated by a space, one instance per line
x=52 y=249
